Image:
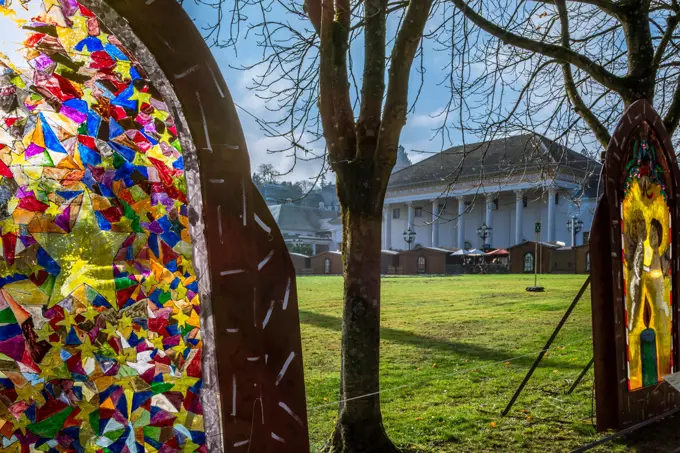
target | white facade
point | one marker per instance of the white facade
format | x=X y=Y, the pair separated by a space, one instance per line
x=511 y=213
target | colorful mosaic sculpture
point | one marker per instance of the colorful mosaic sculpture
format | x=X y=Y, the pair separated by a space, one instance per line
x=646 y=239
x=100 y=341
x=634 y=249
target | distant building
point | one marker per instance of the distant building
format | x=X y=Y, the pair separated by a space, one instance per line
x=288 y=193
x=276 y=193
x=303 y=225
x=507 y=184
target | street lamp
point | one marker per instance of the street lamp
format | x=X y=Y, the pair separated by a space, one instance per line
x=409 y=237
x=484 y=232
x=574 y=225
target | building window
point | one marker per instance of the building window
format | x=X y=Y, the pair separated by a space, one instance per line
x=421 y=264
x=418 y=212
x=326 y=266
x=586 y=237
x=395 y=213
x=528 y=262
x=588 y=262
x=525 y=201
x=557 y=198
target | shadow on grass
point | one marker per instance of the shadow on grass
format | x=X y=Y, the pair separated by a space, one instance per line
x=466 y=350
x=661 y=437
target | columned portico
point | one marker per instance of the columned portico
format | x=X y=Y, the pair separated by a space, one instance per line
x=488 y=220
x=387 y=239
x=460 y=241
x=519 y=209
x=435 y=223
x=506 y=212
x=506 y=217
x=551 y=214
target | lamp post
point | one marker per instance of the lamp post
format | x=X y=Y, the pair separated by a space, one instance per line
x=409 y=237
x=484 y=232
x=574 y=225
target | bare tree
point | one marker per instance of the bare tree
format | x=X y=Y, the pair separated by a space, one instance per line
x=266 y=174
x=565 y=68
x=580 y=62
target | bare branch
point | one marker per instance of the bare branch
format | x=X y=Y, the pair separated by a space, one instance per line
x=579 y=106
x=582 y=62
x=373 y=88
x=334 y=101
x=605 y=5
x=396 y=102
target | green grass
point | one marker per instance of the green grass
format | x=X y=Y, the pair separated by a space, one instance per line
x=445 y=373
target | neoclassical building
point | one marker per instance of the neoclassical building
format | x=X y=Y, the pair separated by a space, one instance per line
x=508 y=185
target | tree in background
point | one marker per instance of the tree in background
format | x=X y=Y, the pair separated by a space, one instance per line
x=583 y=61
x=361 y=142
x=305 y=249
x=564 y=68
x=266 y=174
x=362 y=150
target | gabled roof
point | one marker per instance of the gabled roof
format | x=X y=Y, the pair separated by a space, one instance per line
x=435 y=249
x=300 y=218
x=544 y=244
x=328 y=252
x=514 y=155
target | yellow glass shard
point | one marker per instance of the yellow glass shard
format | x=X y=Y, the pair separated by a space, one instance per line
x=85 y=256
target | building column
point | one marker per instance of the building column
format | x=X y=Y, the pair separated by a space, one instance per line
x=461 y=223
x=551 y=214
x=409 y=225
x=314 y=249
x=519 y=209
x=435 y=223
x=489 y=219
x=387 y=242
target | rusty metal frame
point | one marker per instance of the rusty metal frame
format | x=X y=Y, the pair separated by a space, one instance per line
x=254 y=394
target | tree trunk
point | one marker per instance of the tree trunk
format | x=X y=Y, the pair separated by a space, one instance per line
x=641 y=76
x=359 y=427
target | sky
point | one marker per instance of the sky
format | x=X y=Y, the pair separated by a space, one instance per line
x=418 y=136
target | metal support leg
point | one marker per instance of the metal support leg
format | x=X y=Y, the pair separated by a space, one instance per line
x=546 y=347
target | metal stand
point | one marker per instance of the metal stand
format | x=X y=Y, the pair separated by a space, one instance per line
x=580 y=376
x=546 y=347
x=537 y=262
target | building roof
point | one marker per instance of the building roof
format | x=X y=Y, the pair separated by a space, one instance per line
x=544 y=244
x=328 y=252
x=300 y=218
x=390 y=252
x=526 y=153
x=435 y=249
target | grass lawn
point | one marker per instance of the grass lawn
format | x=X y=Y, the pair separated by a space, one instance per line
x=445 y=368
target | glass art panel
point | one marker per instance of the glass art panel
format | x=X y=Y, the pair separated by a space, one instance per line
x=100 y=344
x=646 y=241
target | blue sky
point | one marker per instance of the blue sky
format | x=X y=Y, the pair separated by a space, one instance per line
x=416 y=135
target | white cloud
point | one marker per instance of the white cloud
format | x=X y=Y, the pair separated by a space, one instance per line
x=430 y=120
